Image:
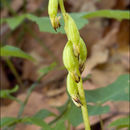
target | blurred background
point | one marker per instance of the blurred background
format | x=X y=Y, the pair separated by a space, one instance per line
x=107 y=41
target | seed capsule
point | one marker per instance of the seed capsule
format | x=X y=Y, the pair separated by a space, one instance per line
x=72 y=33
x=73 y=91
x=71 y=62
x=52 y=10
x=83 y=55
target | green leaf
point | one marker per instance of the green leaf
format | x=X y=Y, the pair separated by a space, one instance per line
x=59 y=125
x=116 y=14
x=36 y=121
x=98 y=96
x=117 y=91
x=72 y=113
x=75 y=113
x=6 y=93
x=43 y=114
x=6 y=121
x=121 y=122
x=15 y=52
x=80 y=19
x=97 y=110
x=45 y=70
x=45 y=25
x=14 y=22
x=44 y=22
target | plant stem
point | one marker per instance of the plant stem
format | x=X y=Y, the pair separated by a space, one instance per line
x=80 y=87
x=62 y=6
x=101 y=122
x=12 y=68
x=84 y=105
x=27 y=98
x=28 y=94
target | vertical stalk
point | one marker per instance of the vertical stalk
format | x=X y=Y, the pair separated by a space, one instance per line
x=62 y=6
x=80 y=87
x=84 y=105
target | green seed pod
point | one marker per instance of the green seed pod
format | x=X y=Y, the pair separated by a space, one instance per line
x=71 y=62
x=83 y=55
x=73 y=91
x=52 y=10
x=72 y=33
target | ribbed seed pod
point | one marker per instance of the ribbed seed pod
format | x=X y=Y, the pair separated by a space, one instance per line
x=83 y=55
x=71 y=62
x=73 y=91
x=52 y=10
x=72 y=33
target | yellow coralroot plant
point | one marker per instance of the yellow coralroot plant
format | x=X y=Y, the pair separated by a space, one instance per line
x=74 y=57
